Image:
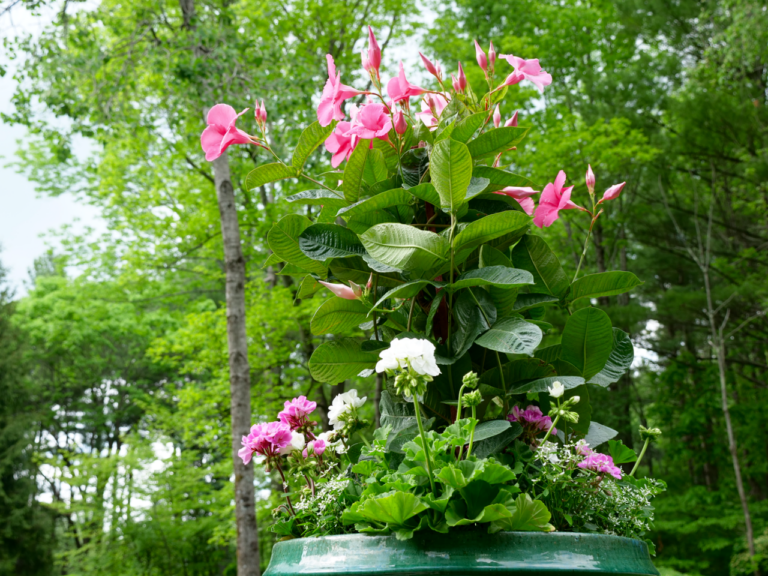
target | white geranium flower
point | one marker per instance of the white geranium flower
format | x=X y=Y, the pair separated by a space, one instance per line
x=342 y=404
x=416 y=352
x=297 y=443
x=556 y=390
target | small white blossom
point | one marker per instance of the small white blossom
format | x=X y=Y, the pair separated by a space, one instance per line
x=297 y=443
x=556 y=390
x=416 y=352
x=341 y=405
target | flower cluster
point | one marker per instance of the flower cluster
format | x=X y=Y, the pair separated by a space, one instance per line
x=533 y=421
x=270 y=440
x=601 y=463
x=342 y=413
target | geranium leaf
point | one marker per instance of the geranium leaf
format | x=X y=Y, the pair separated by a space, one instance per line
x=621 y=454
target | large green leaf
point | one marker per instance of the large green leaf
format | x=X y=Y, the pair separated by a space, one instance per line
x=496 y=444
x=407 y=290
x=426 y=192
x=413 y=164
x=495 y=141
x=308 y=287
x=283 y=239
x=324 y=241
x=312 y=136
x=476 y=187
x=499 y=276
x=389 y=152
x=486 y=430
x=393 y=510
x=357 y=270
x=542 y=385
x=620 y=453
x=320 y=197
x=619 y=361
x=269 y=173
x=599 y=434
x=488 y=228
x=394 y=197
x=405 y=247
x=503 y=297
x=338 y=315
x=338 y=360
x=471 y=319
x=529 y=515
x=604 y=284
x=527 y=301
x=354 y=171
x=501 y=178
x=533 y=254
x=512 y=336
x=375 y=167
x=362 y=222
x=587 y=341
x=451 y=172
x=467 y=127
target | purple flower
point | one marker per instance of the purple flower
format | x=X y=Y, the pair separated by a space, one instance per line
x=266 y=440
x=296 y=412
x=602 y=464
x=531 y=419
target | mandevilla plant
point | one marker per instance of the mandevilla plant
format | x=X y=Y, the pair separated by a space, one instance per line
x=425 y=241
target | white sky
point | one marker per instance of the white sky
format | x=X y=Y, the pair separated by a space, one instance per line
x=25 y=218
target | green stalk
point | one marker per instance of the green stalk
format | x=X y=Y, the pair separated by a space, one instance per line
x=410 y=314
x=424 y=442
x=640 y=458
x=472 y=434
x=458 y=415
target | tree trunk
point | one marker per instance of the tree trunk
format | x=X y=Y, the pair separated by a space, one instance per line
x=248 y=561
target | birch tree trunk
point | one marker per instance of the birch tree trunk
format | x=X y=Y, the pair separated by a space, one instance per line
x=248 y=560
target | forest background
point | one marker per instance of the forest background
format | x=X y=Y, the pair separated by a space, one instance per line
x=114 y=419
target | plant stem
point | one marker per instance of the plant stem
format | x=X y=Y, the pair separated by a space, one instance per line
x=458 y=415
x=640 y=458
x=546 y=436
x=375 y=291
x=417 y=409
x=450 y=294
x=320 y=184
x=285 y=489
x=583 y=253
x=472 y=434
x=410 y=314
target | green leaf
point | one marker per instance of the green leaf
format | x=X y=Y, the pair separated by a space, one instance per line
x=542 y=385
x=496 y=444
x=619 y=361
x=388 y=184
x=283 y=239
x=499 y=276
x=375 y=167
x=269 y=173
x=444 y=132
x=621 y=454
x=496 y=140
x=451 y=172
x=527 y=301
x=338 y=360
x=389 y=153
x=357 y=270
x=503 y=297
x=354 y=171
x=529 y=516
x=604 y=284
x=489 y=429
x=320 y=197
x=467 y=127
x=312 y=136
x=599 y=434
x=272 y=260
x=407 y=290
x=501 y=178
x=456 y=511
x=323 y=241
x=471 y=319
x=405 y=247
x=433 y=311
x=512 y=336
x=394 y=197
x=489 y=228
x=587 y=341
x=413 y=165
x=309 y=286
x=476 y=187
x=338 y=315
x=425 y=192
x=533 y=254
x=362 y=222
x=393 y=510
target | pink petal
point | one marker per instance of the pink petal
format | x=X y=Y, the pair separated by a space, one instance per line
x=559 y=181
x=210 y=140
x=221 y=114
x=245 y=454
x=527 y=204
x=325 y=112
x=519 y=192
x=393 y=90
x=331 y=66
x=340 y=290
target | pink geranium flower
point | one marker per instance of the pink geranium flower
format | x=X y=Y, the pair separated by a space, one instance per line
x=333 y=95
x=339 y=144
x=399 y=88
x=432 y=106
x=522 y=195
x=221 y=131
x=317 y=447
x=266 y=440
x=527 y=70
x=553 y=199
x=296 y=412
x=345 y=292
x=531 y=419
x=602 y=464
x=372 y=121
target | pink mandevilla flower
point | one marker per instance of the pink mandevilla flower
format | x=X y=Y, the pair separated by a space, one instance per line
x=344 y=291
x=266 y=440
x=431 y=108
x=339 y=144
x=462 y=78
x=589 y=179
x=296 y=412
x=429 y=66
x=512 y=122
x=401 y=124
x=399 y=88
x=482 y=59
x=372 y=121
x=553 y=199
x=492 y=55
x=374 y=52
x=221 y=131
x=602 y=464
x=612 y=193
x=334 y=93
x=522 y=195
x=527 y=70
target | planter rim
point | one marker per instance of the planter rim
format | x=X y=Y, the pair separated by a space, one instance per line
x=465 y=552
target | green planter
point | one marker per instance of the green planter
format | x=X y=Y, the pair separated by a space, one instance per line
x=463 y=553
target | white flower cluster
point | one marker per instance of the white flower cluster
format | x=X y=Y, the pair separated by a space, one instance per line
x=325 y=505
x=342 y=406
x=416 y=353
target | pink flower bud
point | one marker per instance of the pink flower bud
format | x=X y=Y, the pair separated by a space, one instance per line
x=496 y=117
x=369 y=284
x=356 y=289
x=512 y=122
x=366 y=62
x=374 y=52
x=263 y=112
x=513 y=78
x=439 y=71
x=401 y=124
x=455 y=82
x=462 y=78
x=340 y=290
x=612 y=193
x=429 y=66
x=492 y=56
x=590 y=179
x=482 y=60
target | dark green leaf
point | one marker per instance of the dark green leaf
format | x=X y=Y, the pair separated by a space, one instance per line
x=451 y=172
x=619 y=361
x=512 y=336
x=405 y=247
x=393 y=197
x=312 y=136
x=283 y=240
x=499 y=276
x=533 y=254
x=604 y=284
x=323 y=241
x=338 y=360
x=354 y=171
x=587 y=341
x=496 y=140
x=338 y=315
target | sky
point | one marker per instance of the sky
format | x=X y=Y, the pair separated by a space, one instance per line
x=25 y=217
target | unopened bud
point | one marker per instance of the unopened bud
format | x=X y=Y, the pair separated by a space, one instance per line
x=481 y=58
x=649 y=433
x=263 y=112
x=496 y=117
x=470 y=380
x=512 y=122
x=366 y=62
x=590 y=179
x=472 y=399
x=491 y=56
x=462 y=78
x=401 y=124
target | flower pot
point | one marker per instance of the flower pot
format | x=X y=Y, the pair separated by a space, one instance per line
x=517 y=553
